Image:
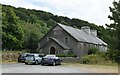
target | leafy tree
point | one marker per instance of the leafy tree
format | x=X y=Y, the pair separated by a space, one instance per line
x=12 y=34
x=22 y=15
x=51 y=23
x=116 y=25
x=32 y=42
x=33 y=33
x=32 y=18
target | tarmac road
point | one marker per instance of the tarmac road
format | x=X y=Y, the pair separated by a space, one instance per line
x=22 y=68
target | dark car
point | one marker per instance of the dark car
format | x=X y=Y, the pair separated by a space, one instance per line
x=21 y=57
x=33 y=59
x=51 y=60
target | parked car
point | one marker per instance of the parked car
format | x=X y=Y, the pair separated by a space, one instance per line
x=51 y=60
x=33 y=59
x=21 y=57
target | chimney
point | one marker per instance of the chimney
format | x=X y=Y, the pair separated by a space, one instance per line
x=93 y=32
x=86 y=29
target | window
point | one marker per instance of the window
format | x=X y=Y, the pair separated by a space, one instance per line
x=66 y=40
x=84 y=44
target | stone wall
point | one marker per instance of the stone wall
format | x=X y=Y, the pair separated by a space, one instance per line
x=10 y=56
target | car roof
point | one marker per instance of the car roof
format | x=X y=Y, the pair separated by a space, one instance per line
x=50 y=55
x=24 y=53
x=35 y=54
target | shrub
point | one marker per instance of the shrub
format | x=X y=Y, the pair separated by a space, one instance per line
x=85 y=60
x=66 y=55
x=89 y=59
x=61 y=55
x=72 y=55
x=93 y=50
x=102 y=54
x=113 y=55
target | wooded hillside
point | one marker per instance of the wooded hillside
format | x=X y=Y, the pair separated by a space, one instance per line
x=23 y=28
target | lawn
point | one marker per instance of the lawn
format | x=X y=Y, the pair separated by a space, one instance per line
x=95 y=68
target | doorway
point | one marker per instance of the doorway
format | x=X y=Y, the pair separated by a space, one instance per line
x=52 y=50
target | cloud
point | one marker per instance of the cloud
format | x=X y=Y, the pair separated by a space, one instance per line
x=94 y=11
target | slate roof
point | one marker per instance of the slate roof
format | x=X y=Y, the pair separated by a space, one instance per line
x=60 y=43
x=80 y=35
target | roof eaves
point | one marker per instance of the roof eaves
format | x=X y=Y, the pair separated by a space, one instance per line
x=60 y=43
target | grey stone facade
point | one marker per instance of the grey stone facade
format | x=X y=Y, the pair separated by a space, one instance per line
x=63 y=39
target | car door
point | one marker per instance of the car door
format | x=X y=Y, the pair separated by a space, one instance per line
x=40 y=58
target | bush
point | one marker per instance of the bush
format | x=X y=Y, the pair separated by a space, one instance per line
x=72 y=55
x=66 y=55
x=85 y=60
x=93 y=50
x=89 y=59
x=113 y=55
x=102 y=54
x=61 y=55
x=99 y=57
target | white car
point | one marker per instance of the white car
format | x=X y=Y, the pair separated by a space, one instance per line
x=33 y=59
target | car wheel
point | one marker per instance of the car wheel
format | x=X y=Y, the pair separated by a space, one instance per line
x=60 y=63
x=36 y=62
x=26 y=63
x=54 y=63
x=42 y=64
x=18 y=61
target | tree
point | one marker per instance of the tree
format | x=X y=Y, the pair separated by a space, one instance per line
x=32 y=18
x=22 y=15
x=116 y=25
x=32 y=42
x=51 y=23
x=12 y=34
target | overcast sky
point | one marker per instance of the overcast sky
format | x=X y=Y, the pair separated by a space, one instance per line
x=93 y=11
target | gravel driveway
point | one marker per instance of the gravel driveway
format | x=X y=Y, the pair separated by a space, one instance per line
x=64 y=68
x=22 y=68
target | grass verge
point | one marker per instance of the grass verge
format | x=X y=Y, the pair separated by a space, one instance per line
x=94 y=68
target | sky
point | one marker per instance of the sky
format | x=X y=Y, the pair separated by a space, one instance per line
x=93 y=11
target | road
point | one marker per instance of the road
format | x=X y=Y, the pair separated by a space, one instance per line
x=22 y=68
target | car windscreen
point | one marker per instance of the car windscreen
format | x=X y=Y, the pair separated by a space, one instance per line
x=40 y=55
x=30 y=56
x=23 y=55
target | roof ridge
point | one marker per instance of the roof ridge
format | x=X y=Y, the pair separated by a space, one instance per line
x=67 y=26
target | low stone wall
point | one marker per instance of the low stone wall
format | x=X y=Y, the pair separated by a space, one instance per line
x=13 y=56
x=10 y=56
x=70 y=59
